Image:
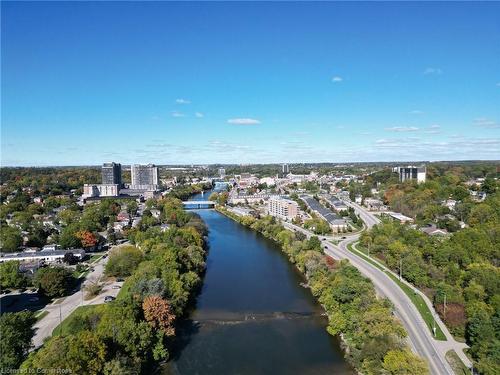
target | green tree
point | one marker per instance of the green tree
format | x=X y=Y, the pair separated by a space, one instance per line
x=82 y=353
x=53 y=281
x=10 y=276
x=123 y=261
x=16 y=331
x=404 y=362
x=10 y=239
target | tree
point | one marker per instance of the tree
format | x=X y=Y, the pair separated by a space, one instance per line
x=53 y=281
x=404 y=362
x=70 y=258
x=68 y=238
x=17 y=332
x=83 y=353
x=10 y=239
x=123 y=261
x=158 y=313
x=10 y=276
x=87 y=239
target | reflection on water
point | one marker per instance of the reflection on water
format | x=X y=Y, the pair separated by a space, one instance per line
x=252 y=316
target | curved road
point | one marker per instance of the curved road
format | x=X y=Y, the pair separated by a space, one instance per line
x=420 y=337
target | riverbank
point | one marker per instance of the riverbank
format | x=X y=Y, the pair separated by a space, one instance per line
x=372 y=336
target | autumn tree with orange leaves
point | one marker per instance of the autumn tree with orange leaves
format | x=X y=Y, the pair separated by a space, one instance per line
x=88 y=239
x=158 y=313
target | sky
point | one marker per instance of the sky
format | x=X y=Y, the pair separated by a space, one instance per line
x=226 y=82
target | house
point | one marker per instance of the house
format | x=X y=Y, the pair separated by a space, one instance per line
x=123 y=216
x=450 y=203
x=155 y=213
x=374 y=204
x=400 y=217
x=432 y=230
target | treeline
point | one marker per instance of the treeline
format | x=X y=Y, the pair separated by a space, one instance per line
x=131 y=334
x=460 y=274
x=48 y=181
x=375 y=340
x=183 y=192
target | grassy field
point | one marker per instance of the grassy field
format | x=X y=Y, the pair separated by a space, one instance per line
x=416 y=298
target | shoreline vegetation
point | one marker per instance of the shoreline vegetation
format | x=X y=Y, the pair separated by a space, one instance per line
x=134 y=333
x=374 y=340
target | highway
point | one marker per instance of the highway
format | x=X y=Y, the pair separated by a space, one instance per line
x=420 y=337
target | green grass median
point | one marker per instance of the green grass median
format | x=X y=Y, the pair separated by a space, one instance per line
x=415 y=297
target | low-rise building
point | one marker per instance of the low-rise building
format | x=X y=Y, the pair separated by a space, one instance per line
x=374 y=204
x=100 y=190
x=47 y=256
x=282 y=208
x=400 y=217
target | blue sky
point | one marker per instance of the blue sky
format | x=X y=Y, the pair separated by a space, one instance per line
x=169 y=83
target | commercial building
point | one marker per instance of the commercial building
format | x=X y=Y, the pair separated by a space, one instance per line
x=111 y=174
x=94 y=191
x=144 y=177
x=282 y=208
x=222 y=172
x=411 y=173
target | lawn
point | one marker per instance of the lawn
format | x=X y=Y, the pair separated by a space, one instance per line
x=68 y=325
x=415 y=298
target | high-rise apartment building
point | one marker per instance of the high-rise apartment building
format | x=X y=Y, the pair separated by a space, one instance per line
x=111 y=174
x=144 y=177
x=411 y=173
x=282 y=208
x=222 y=172
x=285 y=169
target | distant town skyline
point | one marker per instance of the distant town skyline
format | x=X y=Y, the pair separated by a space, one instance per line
x=230 y=83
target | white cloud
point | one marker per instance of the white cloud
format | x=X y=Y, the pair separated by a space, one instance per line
x=177 y=114
x=431 y=70
x=400 y=129
x=483 y=122
x=243 y=121
x=199 y=114
x=182 y=101
x=416 y=112
x=337 y=79
x=433 y=129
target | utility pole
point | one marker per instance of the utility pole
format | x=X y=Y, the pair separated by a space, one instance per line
x=444 y=306
x=60 y=318
x=434 y=324
x=400 y=269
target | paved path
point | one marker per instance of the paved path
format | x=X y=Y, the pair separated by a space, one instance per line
x=59 y=312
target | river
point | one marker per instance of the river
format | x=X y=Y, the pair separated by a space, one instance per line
x=252 y=316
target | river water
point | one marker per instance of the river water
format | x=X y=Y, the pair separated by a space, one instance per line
x=252 y=316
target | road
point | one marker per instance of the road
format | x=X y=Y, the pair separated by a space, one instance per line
x=420 y=337
x=368 y=218
x=60 y=311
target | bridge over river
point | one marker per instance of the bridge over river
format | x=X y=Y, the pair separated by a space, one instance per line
x=198 y=204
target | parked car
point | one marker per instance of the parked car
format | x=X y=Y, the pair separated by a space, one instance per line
x=119 y=279
x=109 y=298
x=116 y=286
